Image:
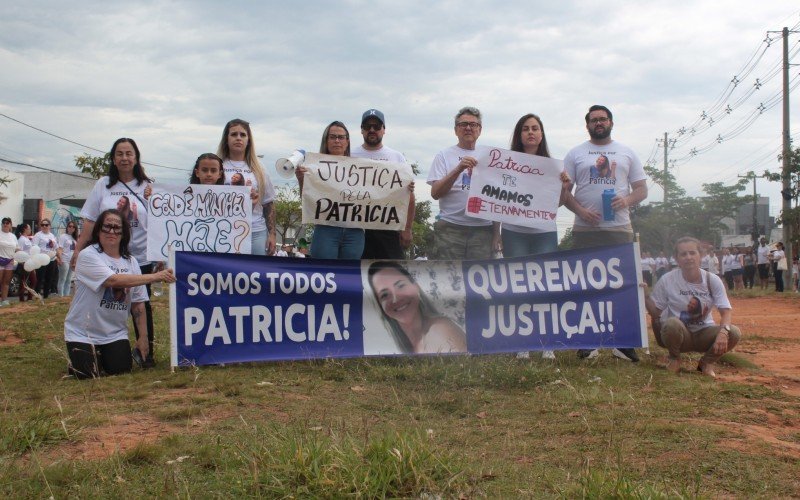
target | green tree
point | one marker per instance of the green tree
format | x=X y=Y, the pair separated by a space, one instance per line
x=422 y=229
x=288 y=211
x=96 y=166
x=792 y=217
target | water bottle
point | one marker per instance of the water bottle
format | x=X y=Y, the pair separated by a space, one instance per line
x=608 y=212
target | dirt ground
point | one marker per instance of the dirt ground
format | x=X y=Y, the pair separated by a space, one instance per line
x=770 y=339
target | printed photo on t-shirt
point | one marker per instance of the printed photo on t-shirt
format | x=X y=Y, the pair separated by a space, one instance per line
x=695 y=312
x=603 y=168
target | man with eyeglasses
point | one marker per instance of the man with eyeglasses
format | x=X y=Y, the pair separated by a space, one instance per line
x=380 y=243
x=456 y=235
x=602 y=166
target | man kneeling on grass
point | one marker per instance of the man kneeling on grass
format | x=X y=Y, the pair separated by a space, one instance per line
x=680 y=308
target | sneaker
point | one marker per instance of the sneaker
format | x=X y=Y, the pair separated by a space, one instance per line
x=626 y=353
x=523 y=355
x=588 y=353
x=548 y=355
x=4 y=303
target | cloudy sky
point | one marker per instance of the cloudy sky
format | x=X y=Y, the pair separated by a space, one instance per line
x=170 y=74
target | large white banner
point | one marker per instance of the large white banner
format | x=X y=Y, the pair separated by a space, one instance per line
x=513 y=187
x=198 y=218
x=355 y=192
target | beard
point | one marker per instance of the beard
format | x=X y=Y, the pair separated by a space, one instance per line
x=373 y=140
x=604 y=134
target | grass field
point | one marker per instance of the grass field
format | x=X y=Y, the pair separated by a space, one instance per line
x=488 y=426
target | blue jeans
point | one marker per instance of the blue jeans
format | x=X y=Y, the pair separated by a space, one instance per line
x=331 y=242
x=64 y=279
x=519 y=244
x=258 y=243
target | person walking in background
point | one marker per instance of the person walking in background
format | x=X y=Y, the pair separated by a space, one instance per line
x=8 y=247
x=762 y=262
x=779 y=265
x=27 y=280
x=46 y=241
x=749 y=268
x=66 y=247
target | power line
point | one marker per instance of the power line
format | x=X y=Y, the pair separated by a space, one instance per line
x=44 y=168
x=79 y=144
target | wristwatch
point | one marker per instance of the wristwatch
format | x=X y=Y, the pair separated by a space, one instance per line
x=727 y=328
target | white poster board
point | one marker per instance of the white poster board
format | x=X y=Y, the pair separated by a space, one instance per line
x=517 y=188
x=355 y=192
x=198 y=218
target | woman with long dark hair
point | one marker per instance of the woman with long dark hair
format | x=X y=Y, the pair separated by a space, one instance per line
x=409 y=314
x=110 y=287
x=518 y=240
x=124 y=186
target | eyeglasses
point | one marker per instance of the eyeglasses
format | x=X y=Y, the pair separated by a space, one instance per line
x=111 y=229
x=43 y=224
x=599 y=120
x=371 y=127
x=468 y=125
x=337 y=137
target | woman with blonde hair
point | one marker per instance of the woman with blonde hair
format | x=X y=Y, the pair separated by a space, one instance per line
x=238 y=152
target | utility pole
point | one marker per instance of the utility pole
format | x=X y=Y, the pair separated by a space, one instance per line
x=666 y=162
x=666 y=145
x=786 y=191
x=786 y=206
x=754 y=233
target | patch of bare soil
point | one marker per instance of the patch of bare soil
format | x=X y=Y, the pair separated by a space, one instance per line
x=770 y=339
x=8 y=339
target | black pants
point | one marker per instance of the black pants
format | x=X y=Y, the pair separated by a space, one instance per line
x=46 y=278
x=148 y=311
x=729 y=279
x=778 y=277
x=90 y=361
x=749 y=276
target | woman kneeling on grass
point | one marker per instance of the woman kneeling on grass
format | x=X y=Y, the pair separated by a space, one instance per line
x=680 y=307
x=109 y=286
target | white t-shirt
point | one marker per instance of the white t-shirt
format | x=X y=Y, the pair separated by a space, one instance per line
x=713 y=264
x=98 y=314
x=8 y=245
x=25 y=243
x=382 y=154
x=661 y=263
x=690 y=302
x=257 y=222
x=47 y=243
x=649 y=264
x=452 y=206
x=624 y=169
x=102 y=198
x=67 y=245
x=763 y=254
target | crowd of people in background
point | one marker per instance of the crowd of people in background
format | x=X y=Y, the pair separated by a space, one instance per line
x=738 y=267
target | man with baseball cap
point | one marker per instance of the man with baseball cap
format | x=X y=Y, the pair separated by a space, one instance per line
x=379 y=243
